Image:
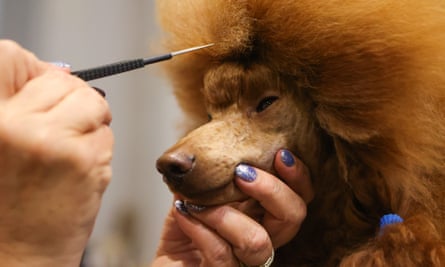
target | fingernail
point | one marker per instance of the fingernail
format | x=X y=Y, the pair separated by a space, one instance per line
x=193 y=207
x=100 y=91
x=180 y=206
x=61 y=64
x=287 y=158
x=245 y=172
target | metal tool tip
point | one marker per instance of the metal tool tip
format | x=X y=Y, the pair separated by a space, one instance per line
x=190 y=49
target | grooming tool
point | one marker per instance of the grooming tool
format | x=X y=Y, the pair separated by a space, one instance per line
x=124 y=66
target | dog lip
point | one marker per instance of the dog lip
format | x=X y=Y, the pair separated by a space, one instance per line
x=209 y=197
x=171 y=182
x=207 y=204
x=192 y=195
x=214 y=203
x=208 y=191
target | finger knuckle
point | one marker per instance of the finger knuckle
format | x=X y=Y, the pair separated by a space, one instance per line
x=41 y=143
x=60 y=77
x=257 y=242
x=105 y=178
x=221 y=254
x=108 y=135
x=97 y=107
x=298 y=214
x=10 y=47
x=81 y=161
x=276 y=189
x=218 y=217
x=6 y=124
x=294 y=215
x=96 y=99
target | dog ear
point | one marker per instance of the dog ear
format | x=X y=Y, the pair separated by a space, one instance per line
x=344 y=127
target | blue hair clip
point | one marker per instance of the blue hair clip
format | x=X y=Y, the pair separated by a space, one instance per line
x=388 y=219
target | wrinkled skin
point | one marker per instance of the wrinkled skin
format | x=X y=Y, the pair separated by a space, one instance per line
x=55 y=161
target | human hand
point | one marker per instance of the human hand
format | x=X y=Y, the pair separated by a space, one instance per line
x=228 y=234
x=55 y=154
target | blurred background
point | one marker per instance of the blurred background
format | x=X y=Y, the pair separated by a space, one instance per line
x=87 y=33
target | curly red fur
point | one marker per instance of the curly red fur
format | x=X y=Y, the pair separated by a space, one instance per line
x=374 y=74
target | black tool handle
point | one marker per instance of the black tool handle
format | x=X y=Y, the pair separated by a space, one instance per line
x=118 y=67
x=108 y=70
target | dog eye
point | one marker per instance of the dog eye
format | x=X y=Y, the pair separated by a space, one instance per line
x=265 y=103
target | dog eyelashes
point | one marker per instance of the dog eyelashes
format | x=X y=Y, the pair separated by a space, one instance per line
x=265 y=103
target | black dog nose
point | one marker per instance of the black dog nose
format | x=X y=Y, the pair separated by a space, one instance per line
x=174 y=166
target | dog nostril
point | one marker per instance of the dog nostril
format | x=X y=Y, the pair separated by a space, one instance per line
x=174 y=166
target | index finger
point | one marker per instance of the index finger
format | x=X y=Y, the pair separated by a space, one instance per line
x=285 y=210
x=17 y=66
x=294 y=173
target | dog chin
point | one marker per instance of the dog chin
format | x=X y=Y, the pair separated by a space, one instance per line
x=219 y=196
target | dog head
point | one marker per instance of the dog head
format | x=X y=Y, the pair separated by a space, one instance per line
x=356 y=82
x=252 y=114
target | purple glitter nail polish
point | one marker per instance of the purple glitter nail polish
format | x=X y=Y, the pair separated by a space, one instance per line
x=287 y=158
x=180 y=206
x=245 y=172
